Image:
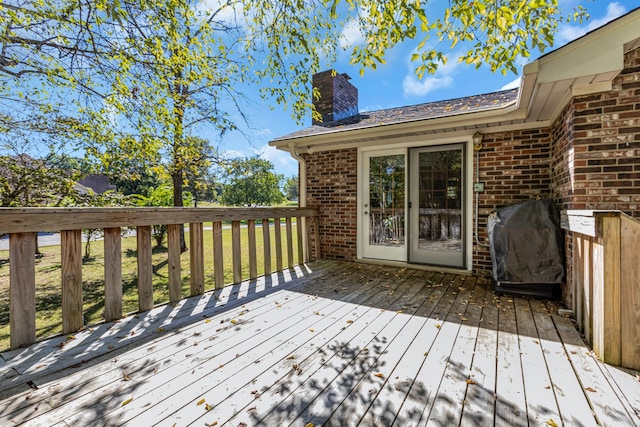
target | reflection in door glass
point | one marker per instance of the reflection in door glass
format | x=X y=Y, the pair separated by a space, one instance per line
x=440 y=198
x=386 y=200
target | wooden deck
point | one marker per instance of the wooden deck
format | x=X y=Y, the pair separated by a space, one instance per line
x=331 y=343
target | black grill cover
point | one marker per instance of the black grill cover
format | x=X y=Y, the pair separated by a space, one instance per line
x=526 y=243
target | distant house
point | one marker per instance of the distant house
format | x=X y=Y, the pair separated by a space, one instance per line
x=95 y=182
x=416 y=184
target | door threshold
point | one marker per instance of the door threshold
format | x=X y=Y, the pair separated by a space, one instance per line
x=425 y=267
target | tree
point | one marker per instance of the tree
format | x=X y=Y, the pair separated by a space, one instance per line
x=145 y=76
x=252 y=182
x=159 y=196
x=291 y=188
x=26 y=181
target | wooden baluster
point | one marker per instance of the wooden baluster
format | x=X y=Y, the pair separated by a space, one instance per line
x=196 y=258
x=251 y=237
x=71 y=254
x=175 y=269
x=266 y=238
x=112 y=274
x=289 y=242
x=309 y=249
x=236 y=251
x=278 y=237
x=145 y=268
x=299 y=228
x=22 y=284
x=218 y=264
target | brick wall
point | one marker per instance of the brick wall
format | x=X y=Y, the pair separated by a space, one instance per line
x=332 y=185
x=515 y=167
x=606 y=145
x=338 y=97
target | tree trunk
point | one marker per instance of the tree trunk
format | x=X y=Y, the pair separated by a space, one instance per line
x=178 y=202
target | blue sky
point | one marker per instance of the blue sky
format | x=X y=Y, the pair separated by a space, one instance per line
x=395 y=84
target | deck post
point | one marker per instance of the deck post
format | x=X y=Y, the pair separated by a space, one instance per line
x=145 y=268
x=112 y=274
x=71 y=248
x=218 y=262
x=175 y=269
x=266 y=238
x=196 y=259
x=253 y=259
x=22 y=284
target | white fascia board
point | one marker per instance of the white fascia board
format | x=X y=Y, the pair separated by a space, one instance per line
x=598 y=52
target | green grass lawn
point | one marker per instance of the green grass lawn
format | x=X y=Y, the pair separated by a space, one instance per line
x=48 y=278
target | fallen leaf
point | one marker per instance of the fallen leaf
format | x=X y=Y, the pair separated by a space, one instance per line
x=201 y=401
x=291 y=357
x=208 y=407
x=311 y=330
x=591 y=389
x=215 y=423
x=470 y=381
x=207 y=321
x=160 y=330
x=126 y=376
x=551 y=423
x=311 y=424
x=126 y=402
x=379 y=375
x=234 y=321
x=349 y=321
x=438 y=325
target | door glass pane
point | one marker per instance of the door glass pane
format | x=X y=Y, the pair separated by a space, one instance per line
x=440 y=199
x=386 y=200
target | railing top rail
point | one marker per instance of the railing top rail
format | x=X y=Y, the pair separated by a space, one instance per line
x=25 y=220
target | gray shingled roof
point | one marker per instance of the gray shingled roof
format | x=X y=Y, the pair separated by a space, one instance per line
x=429 y=110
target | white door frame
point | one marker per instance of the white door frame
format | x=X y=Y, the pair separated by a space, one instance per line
x=405 y=144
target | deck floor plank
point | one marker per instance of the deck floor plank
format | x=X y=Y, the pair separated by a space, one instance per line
x=541 y=402
x=447 y=407
x=423 y=391
x=296 y=339
x=511 y=410
x=603 y=397
x=331 y=343
x=574 y=408
x=479 y=408
x=337 y=358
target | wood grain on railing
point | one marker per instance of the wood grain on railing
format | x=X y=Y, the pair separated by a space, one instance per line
x=22 y=225
x=605 y=273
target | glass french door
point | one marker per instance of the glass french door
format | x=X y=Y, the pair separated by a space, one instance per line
x=384 y=205
x=437 y=206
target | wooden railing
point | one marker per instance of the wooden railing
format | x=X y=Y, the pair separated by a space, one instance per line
x=606 y=282
x=23 y=224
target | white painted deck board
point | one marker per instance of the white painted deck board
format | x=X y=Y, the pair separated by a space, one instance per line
x=336 y=343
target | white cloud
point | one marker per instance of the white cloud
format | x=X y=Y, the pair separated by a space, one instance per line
x=442 y=78
x=568 y=33
x=282 y=161
x=351 y=34
x=515 y=83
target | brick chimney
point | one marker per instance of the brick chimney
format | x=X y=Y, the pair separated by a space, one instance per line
x=338 y=98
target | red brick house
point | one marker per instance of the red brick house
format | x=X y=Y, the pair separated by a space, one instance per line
x=416 y=184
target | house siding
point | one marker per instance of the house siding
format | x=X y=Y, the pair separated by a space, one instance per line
x=332 y=186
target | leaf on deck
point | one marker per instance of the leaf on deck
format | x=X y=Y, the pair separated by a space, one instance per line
x=551 y=423
x=125 y=376
x=126 y=402
x=591 y=389
x=200 y=402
